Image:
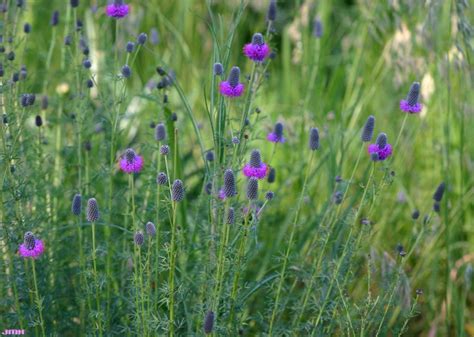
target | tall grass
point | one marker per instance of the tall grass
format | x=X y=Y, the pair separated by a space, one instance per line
x=336 y=251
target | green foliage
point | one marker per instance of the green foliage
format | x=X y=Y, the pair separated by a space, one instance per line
x=302 y=264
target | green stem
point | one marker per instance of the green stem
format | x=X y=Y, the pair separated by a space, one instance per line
x=341 y=259
x=38 y=300
x=290 y=244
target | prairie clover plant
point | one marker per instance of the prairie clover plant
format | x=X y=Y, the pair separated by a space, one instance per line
x=241 y=183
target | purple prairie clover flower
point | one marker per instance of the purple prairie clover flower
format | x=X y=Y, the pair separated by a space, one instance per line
x=131 y=162
x=276 y=136
x=208 y=322
x=255 y=167
x=232 y=87
x=118 y=9
x=410 y=104
x=31 y=246
x=257 y=50
x=381 y=150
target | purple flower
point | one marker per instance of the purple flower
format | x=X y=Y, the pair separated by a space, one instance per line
x=257 y=50
x=381 y=150
x=131 y=162
x=232 y=87
x=276 y=136
x=255 y=168
x=31 y=247
x=410 y=104
x=117 y=10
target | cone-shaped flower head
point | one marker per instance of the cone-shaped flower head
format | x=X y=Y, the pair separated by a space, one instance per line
x=277 y=135
x=160 y=132
x=209 y=322
x=141 y=39
x=313 y=139
x=92 y=210
x=232 y=87
x=269 y=195
x=139 y=238
x=368 y=130
x=76 y=204
x=210 y=156
x=229 y=184
x=381 y=150
x=118 y=9
x=150 y=228
x=255 y=168
x=272 y=11
x=218 y=69
x=131 y=162
x=31 y=246
x=230 y=216
x=126 y=71
x=257 y=50
x=415 y=215
x=317 y=28
x=271 y=175
x=164 y=150
x=411 y=104
x=252 y=188
x=177 y=191
x=162 y=178
x=438 y=195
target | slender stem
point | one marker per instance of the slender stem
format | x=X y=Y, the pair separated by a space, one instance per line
x=290 y=244
x=401 y=130
x=96 y=283
x=172 y=268
x=341 y=259
x=39 y=303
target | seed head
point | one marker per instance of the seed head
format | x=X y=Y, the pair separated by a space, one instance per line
x=92 y=210
x=381 y=140
x=162 y=178
x=368 y=130
x=209 y=322
x=438 y=195
x=90 y=83
x=141 y=39
x=255 y=159
x=229 y=184
x=230 y=216
x=160 y=132
x=55 y=18
x=436 y=207
x=44 y=102
x=317 y=28
x=76 y=204
x=139 y=238
x=269 y=195
x=252 y=188
x=337 y=197
x=74 y=3
x=126 y=71
x=87 y=64
x=164 y=150
x=272 y=11
x=150 y=228
x=38 y=121
x=27 y=28
x=177 y=191
x=313 y=139
x=208 y=188
x=210 y=156
x=130 y=47
x=29 y=240
x=235 y=140
x=271 y=175
x=218 y=69
x=415 y=215
x=234 y=76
